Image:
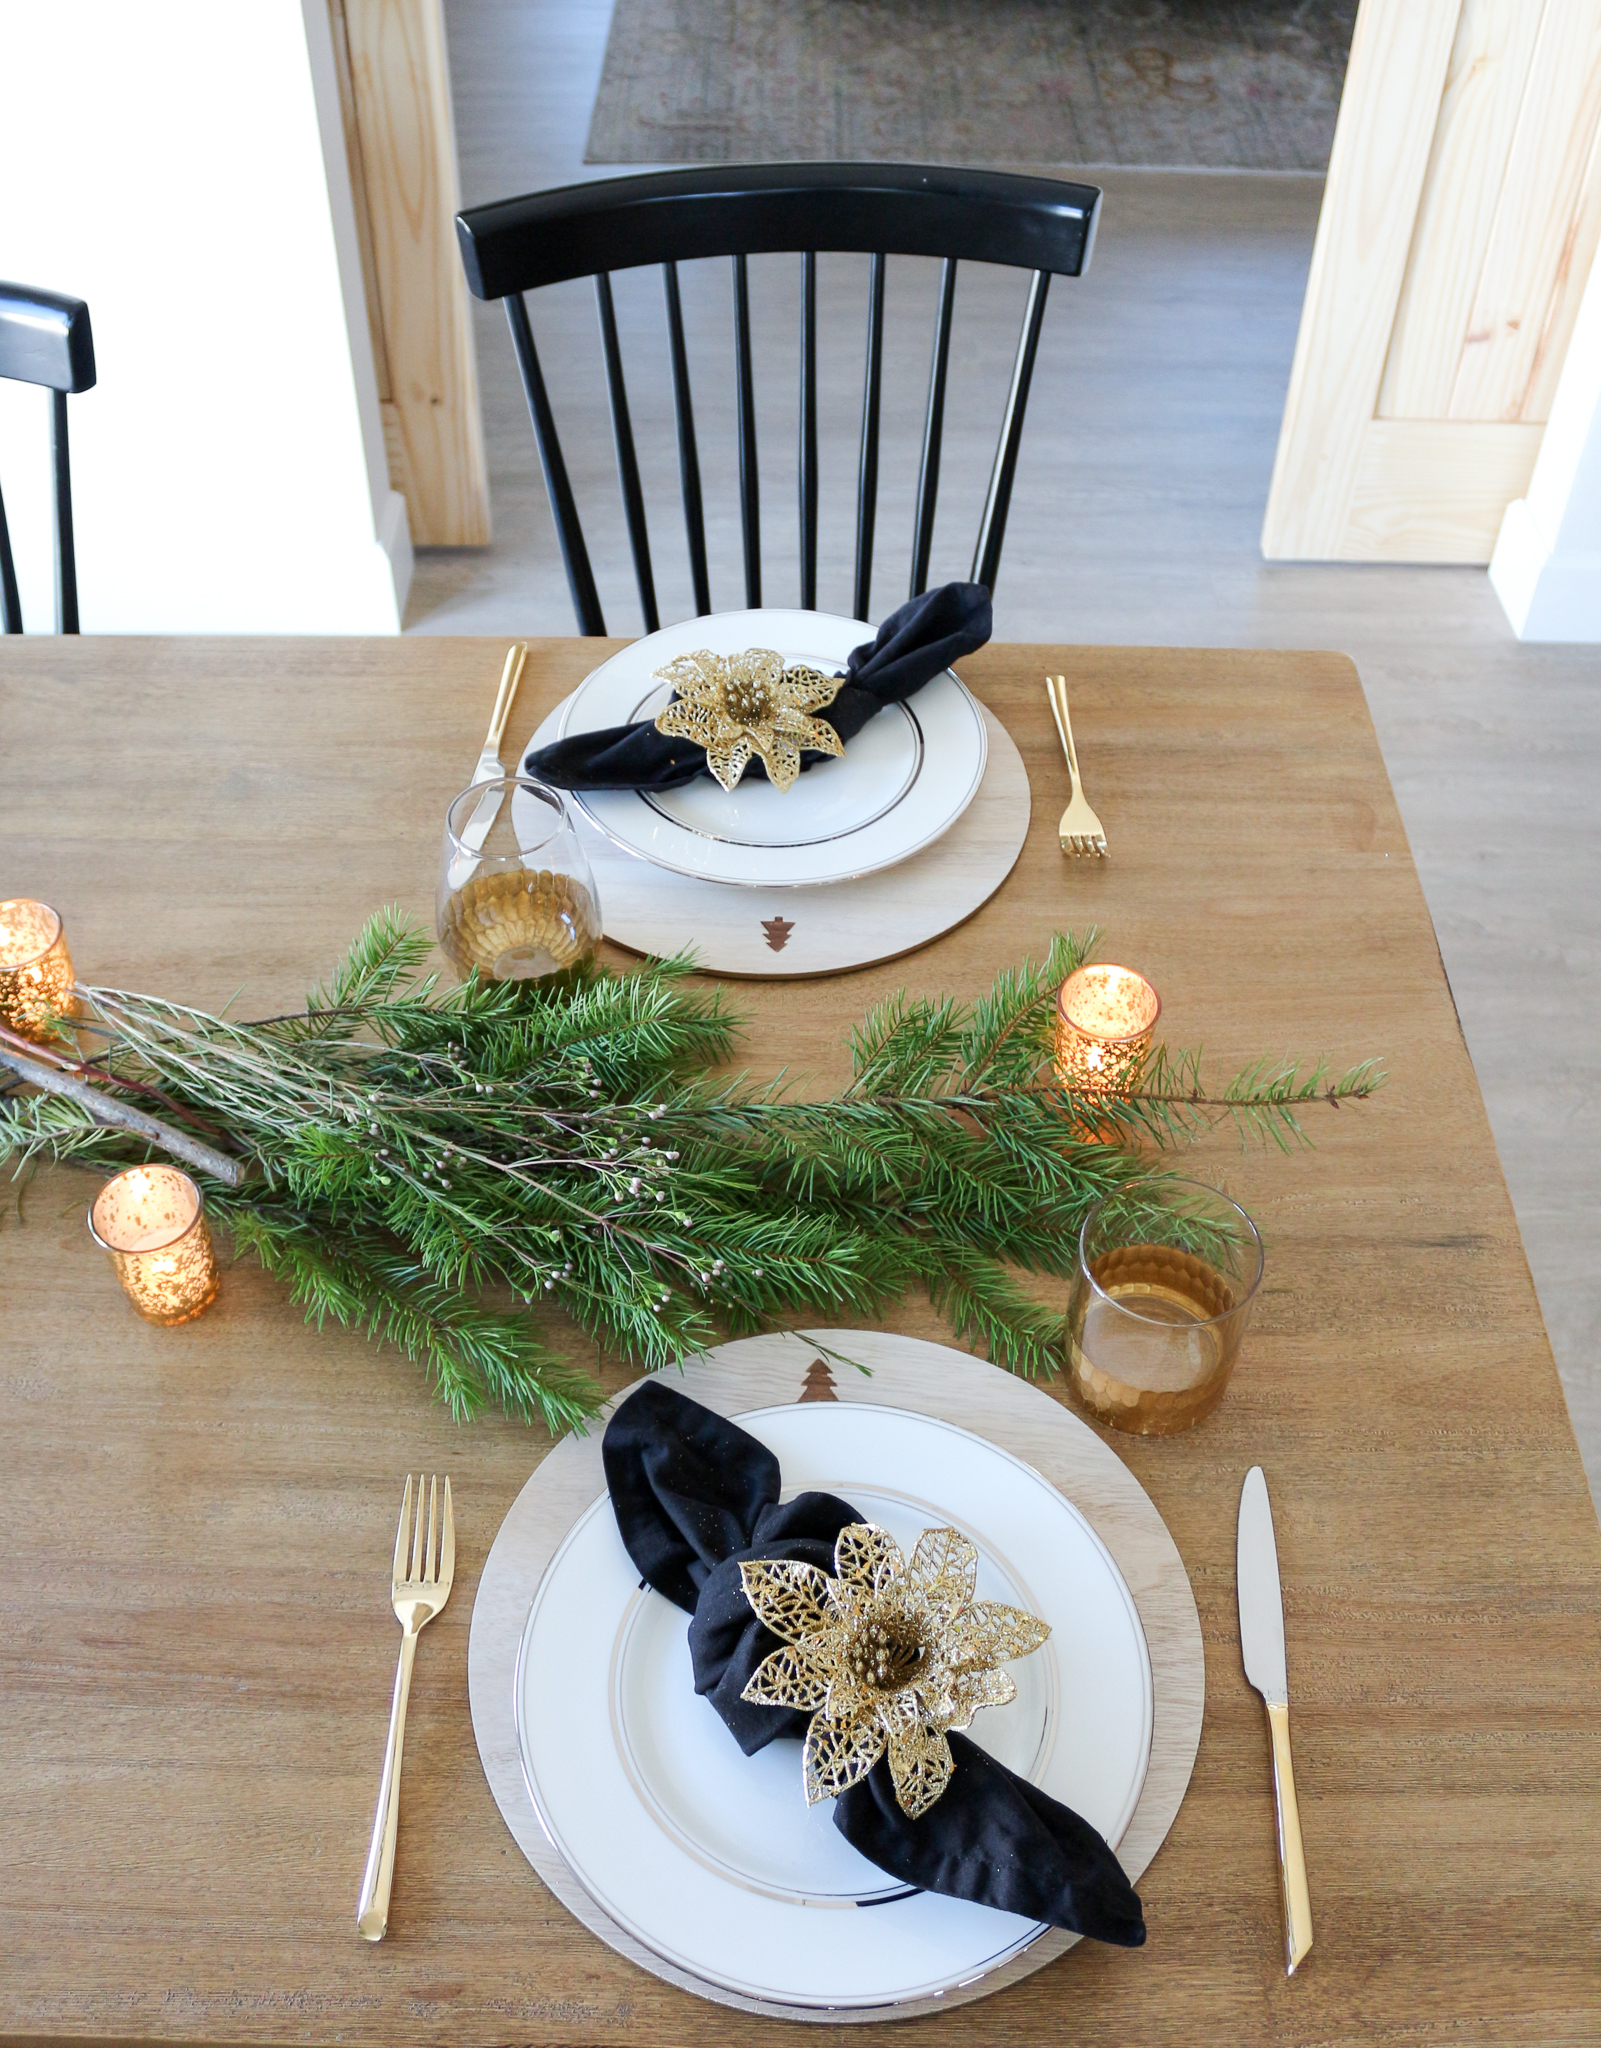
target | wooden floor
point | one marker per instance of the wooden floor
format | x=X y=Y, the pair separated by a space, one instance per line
x=1138 y=506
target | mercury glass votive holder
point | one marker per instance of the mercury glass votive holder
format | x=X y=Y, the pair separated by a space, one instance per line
x=1105 y=1022
x=35 y=968
x=516 y=897
x=152 y=1221
x=1168 y=1272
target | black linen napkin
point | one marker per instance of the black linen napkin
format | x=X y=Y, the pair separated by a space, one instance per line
x=695 y=1495
x=913 y=645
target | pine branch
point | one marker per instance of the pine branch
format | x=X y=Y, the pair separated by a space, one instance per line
x=1021 y=1001
x=1170 y=1103
x=443 y=1166
x=468 y=1352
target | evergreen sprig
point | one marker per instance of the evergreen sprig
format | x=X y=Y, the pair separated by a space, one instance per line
x=431 y=1163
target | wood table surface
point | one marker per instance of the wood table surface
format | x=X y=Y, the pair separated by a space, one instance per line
x=196 y=1662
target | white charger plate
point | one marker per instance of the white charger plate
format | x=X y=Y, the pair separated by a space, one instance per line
x=901 y=783
x=712 y=1860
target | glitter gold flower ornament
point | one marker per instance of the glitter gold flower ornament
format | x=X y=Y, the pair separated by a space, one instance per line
x=736 y=705
x=886 y=1655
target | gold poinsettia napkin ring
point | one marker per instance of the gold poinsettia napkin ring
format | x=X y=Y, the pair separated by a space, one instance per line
x=736 y=705
x=885 y=1655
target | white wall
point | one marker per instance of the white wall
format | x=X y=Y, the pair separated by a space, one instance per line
x=1546 y=568
x=180 y=165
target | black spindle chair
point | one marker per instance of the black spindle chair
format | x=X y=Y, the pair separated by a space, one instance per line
x=669 y=217
x=45 y=339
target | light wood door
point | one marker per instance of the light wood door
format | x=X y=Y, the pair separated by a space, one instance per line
x=394 y=81
x=1460 y=221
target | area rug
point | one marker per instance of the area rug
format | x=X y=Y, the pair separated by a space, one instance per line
x=1193 y=84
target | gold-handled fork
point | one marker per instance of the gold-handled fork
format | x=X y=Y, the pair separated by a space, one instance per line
x=1078 y=830
x=424 y=1568
x=489 y=768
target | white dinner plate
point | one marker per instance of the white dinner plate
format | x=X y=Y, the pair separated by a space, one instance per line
x=711 y=1859
x=904 y=779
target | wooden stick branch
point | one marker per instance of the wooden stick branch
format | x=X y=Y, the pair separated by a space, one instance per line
x=122 y=1116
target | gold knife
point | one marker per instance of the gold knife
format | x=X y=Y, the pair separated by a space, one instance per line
x=1262 y=1647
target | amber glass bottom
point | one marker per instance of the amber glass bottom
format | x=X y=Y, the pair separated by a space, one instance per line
x=1151 y=1351
x=517 y=924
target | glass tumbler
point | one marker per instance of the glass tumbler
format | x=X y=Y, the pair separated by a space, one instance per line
x=516 y=898
x=1168 y=1272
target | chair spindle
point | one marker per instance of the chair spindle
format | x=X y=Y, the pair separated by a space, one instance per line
x=750 y=508
x=10 y=601
x=992 y=528
x=688 y=452
x=808 y=432
x=569 y=533
x=867 y=479
x=66 y=553
x=627 y=460
x=933 y=432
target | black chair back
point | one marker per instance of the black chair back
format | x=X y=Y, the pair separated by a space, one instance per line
x=669 y=217
x=45 y=339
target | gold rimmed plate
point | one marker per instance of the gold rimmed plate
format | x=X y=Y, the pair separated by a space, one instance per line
x=628 y=1663
x=900 y=785
x=712 y=1860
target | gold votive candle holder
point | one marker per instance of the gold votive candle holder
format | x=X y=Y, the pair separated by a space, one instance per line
x=1167 y=1275
x=35 y=968
x=153 y=1223
x=1105 y=1023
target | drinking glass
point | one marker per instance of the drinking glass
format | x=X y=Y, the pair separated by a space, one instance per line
x=516 y=898
x=1168 y=1272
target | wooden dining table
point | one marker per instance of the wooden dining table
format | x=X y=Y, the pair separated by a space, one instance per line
x=197 y=1523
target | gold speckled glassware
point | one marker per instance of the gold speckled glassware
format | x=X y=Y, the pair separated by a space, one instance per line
x=516 y=897
x=1168 y=1273
x=35 y=968
x=1105 y=1022
x=152 y=1222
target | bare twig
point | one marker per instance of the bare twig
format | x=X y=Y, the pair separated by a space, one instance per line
x=123 y=1116
x=93 y=1066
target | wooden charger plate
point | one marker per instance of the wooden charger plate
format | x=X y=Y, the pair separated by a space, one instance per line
x=905 y=1372
x=778 y=934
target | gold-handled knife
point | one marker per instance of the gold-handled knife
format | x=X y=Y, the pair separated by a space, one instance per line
x=1262 y=1647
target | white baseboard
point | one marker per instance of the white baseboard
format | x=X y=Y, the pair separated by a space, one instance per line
x=394 y=538
x=1547 y=595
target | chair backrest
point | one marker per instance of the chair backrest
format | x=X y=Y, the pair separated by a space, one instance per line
x=45 y=339
x=669 y=217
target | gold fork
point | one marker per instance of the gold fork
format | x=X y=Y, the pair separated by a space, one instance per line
x=1078 y=829
x=423 y=1572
